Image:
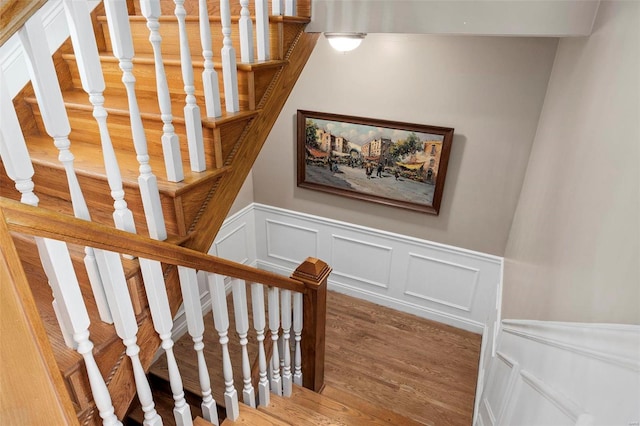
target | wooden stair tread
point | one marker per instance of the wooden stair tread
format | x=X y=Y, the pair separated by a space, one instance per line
x=340 y=410
x=174 y=59
x=199 y=421
x=164 y=404
x=381 y=413
x=149 y=108
x=284 y=409
x=252 y=417
x=43 y=151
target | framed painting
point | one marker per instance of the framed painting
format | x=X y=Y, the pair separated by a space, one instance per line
x=386 y=162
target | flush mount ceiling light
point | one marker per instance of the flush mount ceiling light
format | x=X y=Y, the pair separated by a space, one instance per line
x=344 y=42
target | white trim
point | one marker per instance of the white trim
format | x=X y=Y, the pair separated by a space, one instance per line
x=335 y=237
x=566 y=405
x=571 y=337
x=401 y=305
x=475 y=271
x=270 y=252
x=588 y=372
x=377 y=233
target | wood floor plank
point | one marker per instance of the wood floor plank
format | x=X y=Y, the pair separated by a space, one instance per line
x=342 y=411
x=382 y=413
x=251 y=417
x=422 y=369
x=283 y=409
x=390 y=360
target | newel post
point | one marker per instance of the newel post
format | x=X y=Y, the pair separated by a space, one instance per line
x=314 y=274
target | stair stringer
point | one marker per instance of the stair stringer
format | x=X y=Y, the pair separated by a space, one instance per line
x=221 y=196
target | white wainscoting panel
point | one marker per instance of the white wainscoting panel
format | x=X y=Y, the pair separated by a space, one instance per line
x=435 y=281
x=442 y=282
x=554 y=373
x=361 y=261
x=290 y=243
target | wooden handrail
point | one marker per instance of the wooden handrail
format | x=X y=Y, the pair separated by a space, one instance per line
x=14 y=13
x=41 y=222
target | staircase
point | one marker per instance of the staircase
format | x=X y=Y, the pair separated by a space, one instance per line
x=149 y=159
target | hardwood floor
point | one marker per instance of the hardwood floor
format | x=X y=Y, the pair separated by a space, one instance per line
x=421 y=369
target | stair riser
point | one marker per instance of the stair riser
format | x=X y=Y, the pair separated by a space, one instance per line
x=169 y=31
x=51 y=186
x=120 y=132
x=213 y=7
x=146 y=82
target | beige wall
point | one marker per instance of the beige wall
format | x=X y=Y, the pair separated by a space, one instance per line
x=489 y=89
x=573 y=252
x=244 y=197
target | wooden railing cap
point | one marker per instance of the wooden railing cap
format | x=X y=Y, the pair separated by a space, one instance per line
x=312 y=270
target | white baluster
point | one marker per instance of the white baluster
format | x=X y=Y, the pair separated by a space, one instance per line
x=16 y=159
x=17 y=165
x=56 y=122
x=209 y=75
x=127 y=328
x=192 y=119
x=274 y=326
x=221 y=321
x=195 y=326
x=163 y=323
x=96 y=382
x=287 y=379
x=170 y=143
x=297 y=331
x=246 y=33
x=242 y=327
x=290 y=8
x=262 y=30
x=229 y=68
x=259 y=323
x=67 y=293
x=121 y=42
x=277 y=7
x=88 y=60
x=51 y=104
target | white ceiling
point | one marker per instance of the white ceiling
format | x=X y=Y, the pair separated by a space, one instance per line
x=543 y=18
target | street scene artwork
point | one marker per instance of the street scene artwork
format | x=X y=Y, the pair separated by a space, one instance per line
x=387 y=162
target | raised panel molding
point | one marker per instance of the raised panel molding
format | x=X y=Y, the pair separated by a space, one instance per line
x=234 y=245
x=291 y=243
x=569 y=373
x=442 y=282
x=361 y=261
x=499 y=387
x=464 y=293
